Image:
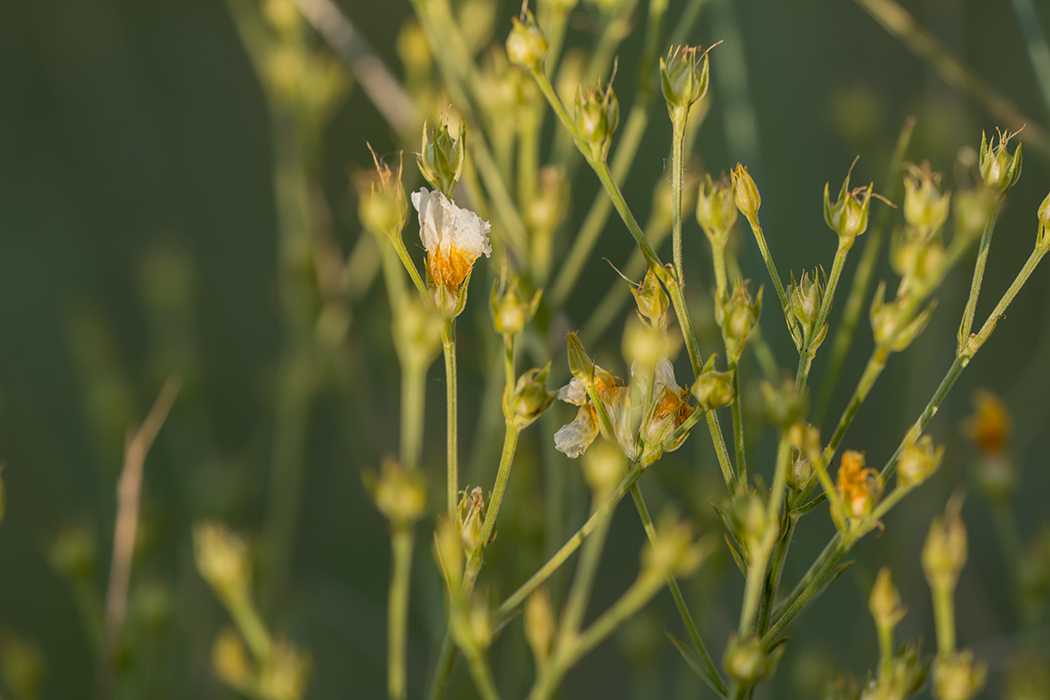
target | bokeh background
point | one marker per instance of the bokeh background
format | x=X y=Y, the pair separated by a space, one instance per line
x=138 y=236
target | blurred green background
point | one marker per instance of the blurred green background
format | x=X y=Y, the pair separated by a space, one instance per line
x=138 y=236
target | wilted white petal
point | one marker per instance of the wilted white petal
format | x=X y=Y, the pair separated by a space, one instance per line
x=453 y=237
x=574 y=438
x=574 y=392
x=617 y=403
x=665 y=375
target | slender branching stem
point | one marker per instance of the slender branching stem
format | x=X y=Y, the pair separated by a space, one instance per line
x=677 y=175
x=975 y=284
x=785 y=305
x=738 y=426
x=448 y=346
x=944 y=618
x=805 y=360
x=401 y=541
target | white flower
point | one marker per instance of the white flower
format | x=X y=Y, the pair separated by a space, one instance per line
x=453 y=237
x=574 y=438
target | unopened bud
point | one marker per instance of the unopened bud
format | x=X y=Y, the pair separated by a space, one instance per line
x=470 y=516
x=1042 y=237
x=888 y=324
x=848 y=216
x=510 y=313
x=442 y=156
x=737 y=317
x=229 y=659
x=674 y=551
x=684 y=79
x=417 y=332
x=805 y=449
x=399 y=494
x=918 y=461
x=539 y=624
x=550 y=206
x=750 y=519
x=530 y=397
x=286 y=673
x=713 y=389
x=747 y=662
x=382 y=205
x=448 y=549
x=746 y=192
x=412 y=48
x=999 y=169
x=651 y=299
x=643 y=344
x=603 y=467
x=526 y=44
x=784 y=404
x=925 y=207
x=222 y=560
x=805 y=297
x=958 y=676
x=716 y=208
x=597 y=115
x=973 y=210
x=580 y=364
x=944 y=554
x=885 y=601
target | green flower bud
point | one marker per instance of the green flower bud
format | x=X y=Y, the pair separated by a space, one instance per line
x=713 y=389
x=748 y=199
x=674 y=551
x=750 y=519
x=222 y=560
x=888 y=324
x=944 y=554
x=470 y=516
x=747 y=662
x=737 y=317
x=957 y=676
x=229 y=659
x=603 y=467
x=510 y=313
x=442 y=156
x=652 y=300
x=530 y=397
x=597 y=115
x=973 y=210
x=918 y=461
x=805 y=298
x=417 y=332
x=848 y=216
x=925 y=207
x=885 y=601
x=684 y=79
x=644 y=345
x=580 y=364
x=917 y=260
x=539 y=624
x=399 y=494
x=805 y=450
x=448 y=550
x=1041 y=238
x=716 y=208
x=382 y=205
x=550 y=206
x=784 y=405
x=999 y=169
x=526 y=44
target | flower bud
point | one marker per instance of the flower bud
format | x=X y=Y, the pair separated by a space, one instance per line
x=417 y=332
x=400 y=495
x=285 y=674
x=643 y=344
x=550 y=206
x=859 y=489
x=848 y=216
x=747 y=662
x=989 y=430
x=784 y=405
x=973 y=210
x=222 y=560
x=716 y=208
x=737 y=317
x=746 y=192
x=229 y=660
x=684 y=79
x=412 y=48
x=382 y=205
x=603 y=467
x=479 y=622
x=470 y=516
x=1041 y=238
x=539 y=624
x=750 y=519
x=918 y=461
x=925 y=207
x=442 y=156
x=510 y=312
x=713 y=389
x=957 y=676
x=885 y=601
x=448 y=549
x=998 y=168
x=526 y=44
x=530 y=397
x=651 y=299
x=805 y=449
x=917 y=260
x=944 y=554
x=805 y=298
x=887 y=321
x=597 y=115
x=674 y=551
x=580 y=364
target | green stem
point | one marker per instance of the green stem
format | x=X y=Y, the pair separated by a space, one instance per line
x=413 y=272
x=448 y=345
x=397 y=611
x=944 y=619
x=677 y=166
x=510 y=445
x=805 y=359
x=785 y=305
x=862 y=279
x=975 y=284
x=776 y=571
x=251 y=627
x=583 y=582
x=679 y=600
x=413 y=403
x=738 y=427
x=886 y=651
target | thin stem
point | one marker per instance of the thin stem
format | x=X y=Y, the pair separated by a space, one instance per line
x=975 y=283
x=738 y=426
x=413 y=402
x=510 y=445
x=886 y=651
x=785 y=306
x=679 y=600
x=776 y=571
x=677 y=174
x=862 y=279
x=401 y=542
x=410 y=266
x=448 y=345
x=805 y=360
x=251 y=627
x=944 y=619
x=583 y=582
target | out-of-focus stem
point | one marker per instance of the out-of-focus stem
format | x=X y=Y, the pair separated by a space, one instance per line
x=401 y=542
x=448 y=346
